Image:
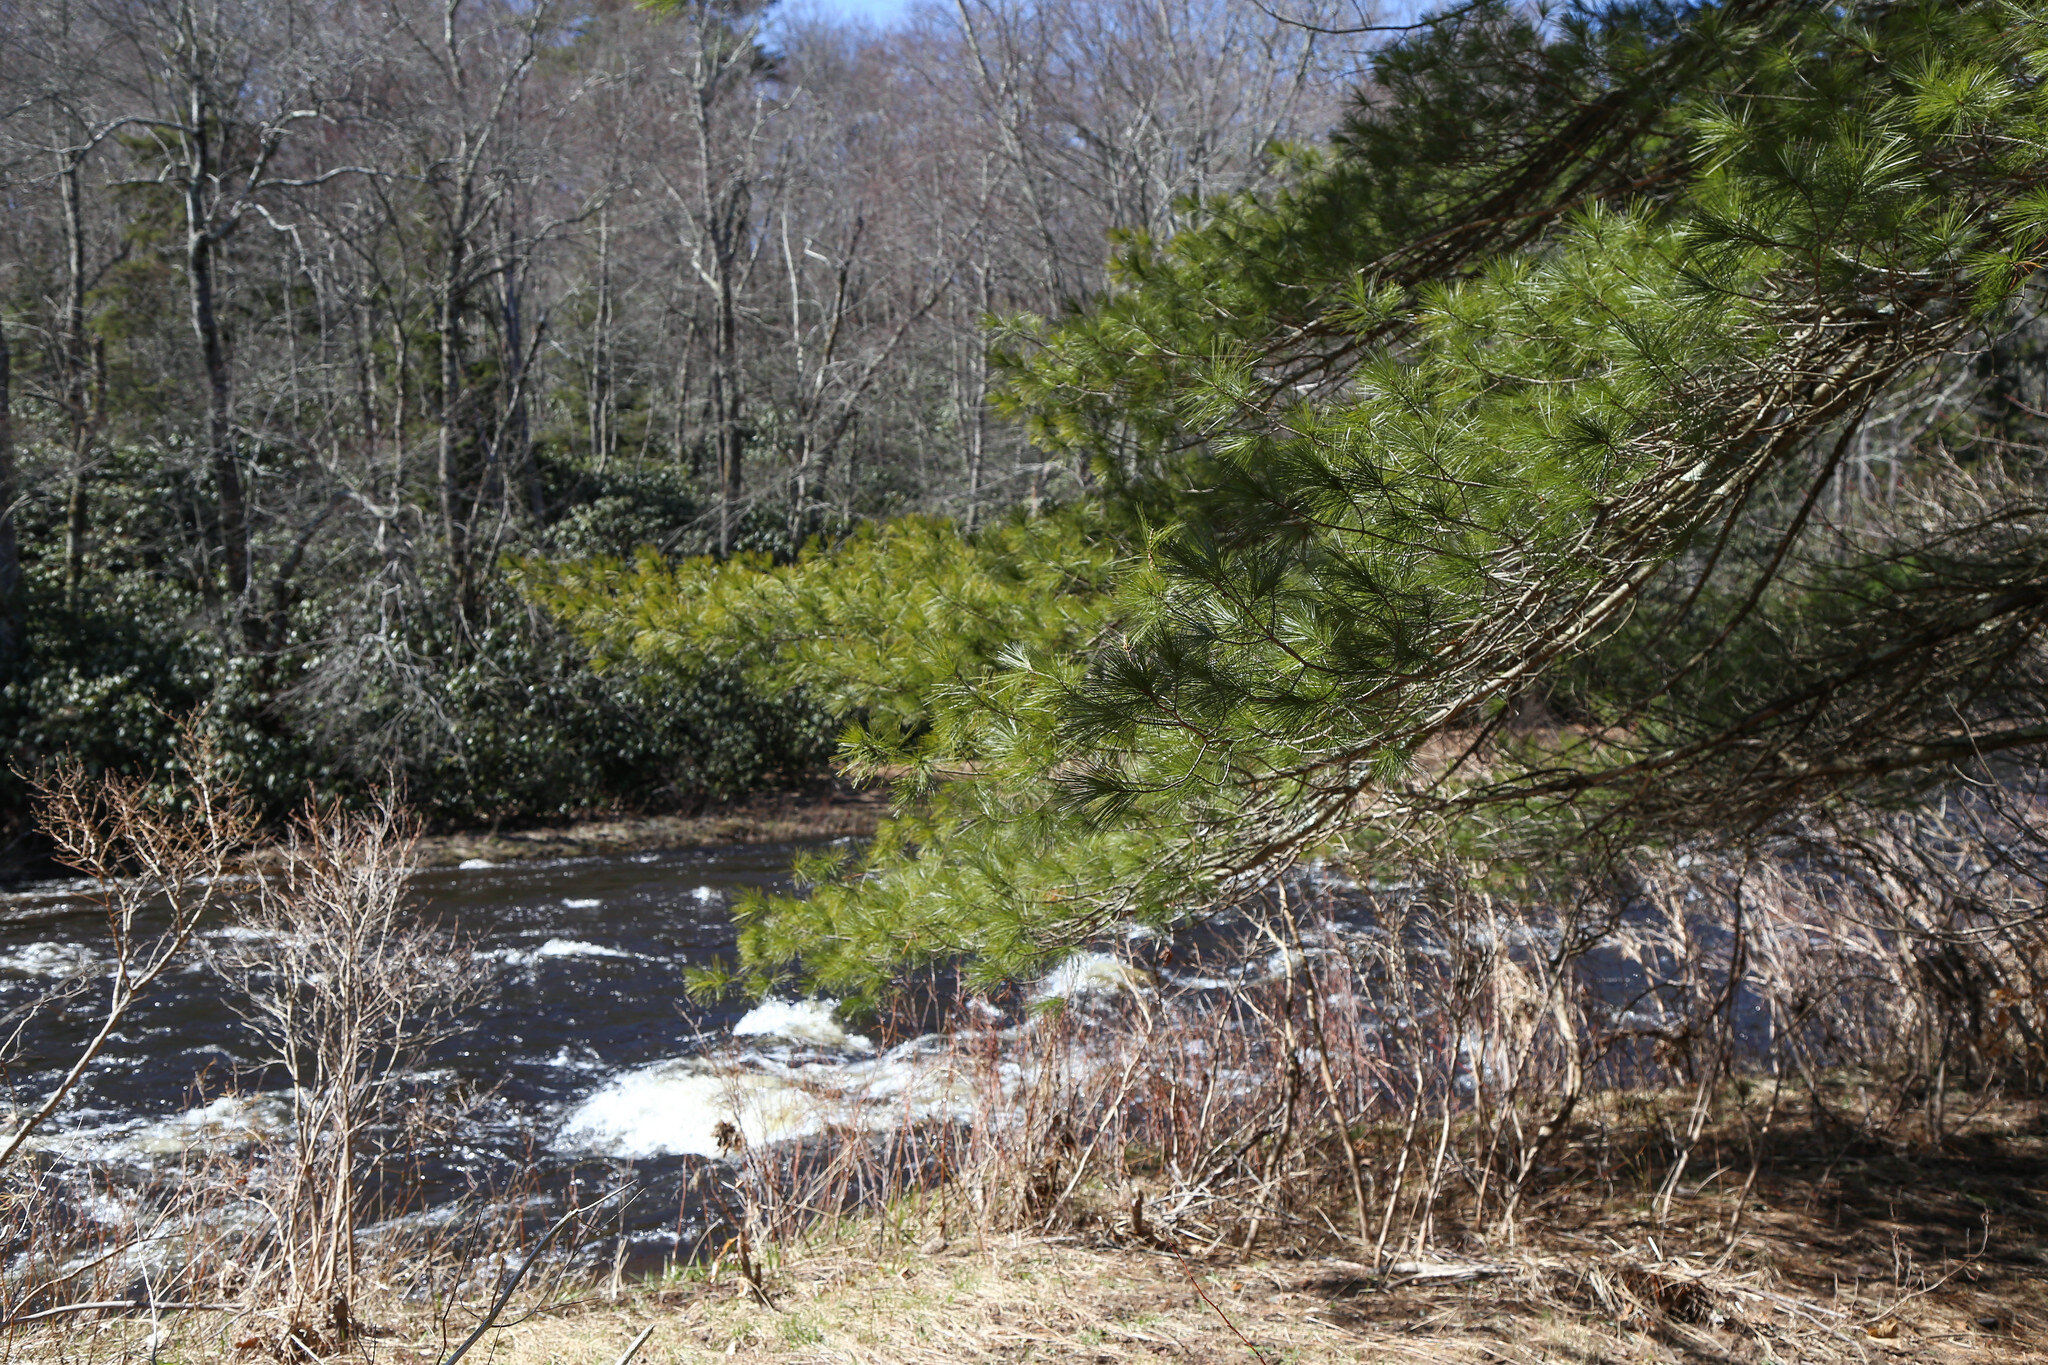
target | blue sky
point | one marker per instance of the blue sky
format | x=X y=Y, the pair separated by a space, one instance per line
x=879 y=11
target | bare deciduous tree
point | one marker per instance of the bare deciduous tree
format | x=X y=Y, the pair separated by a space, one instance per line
x=320 y=311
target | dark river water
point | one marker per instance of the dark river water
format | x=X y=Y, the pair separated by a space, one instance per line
x=586 y=1065
x=590 y=1061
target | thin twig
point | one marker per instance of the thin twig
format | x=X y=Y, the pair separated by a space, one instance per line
x=638 y=1342
x=110 y=1305
x=1203 y=1294
x=505 y=1293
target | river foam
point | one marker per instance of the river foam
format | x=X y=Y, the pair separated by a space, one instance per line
x=814 y=1022
x=225 y=1124
x=57 y=960
x=677 y=1107
x=1086 y=974
x=554 y=947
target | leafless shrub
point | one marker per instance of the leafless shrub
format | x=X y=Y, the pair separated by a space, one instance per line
x=162 y=859
x=347 y=989
x=159 y=865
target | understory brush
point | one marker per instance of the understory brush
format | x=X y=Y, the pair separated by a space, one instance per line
x=1632 y=1104
x=1400 y=1074
x=284 y=1200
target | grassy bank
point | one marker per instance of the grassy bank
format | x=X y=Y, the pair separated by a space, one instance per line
x=1841 y=1247
x=1815 y=1241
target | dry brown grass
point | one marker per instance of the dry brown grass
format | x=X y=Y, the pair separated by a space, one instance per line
x=1845 y=1250
x=1844 y=1247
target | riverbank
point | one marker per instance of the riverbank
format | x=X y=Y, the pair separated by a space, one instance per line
x=1025 y=1298
x=1841 y=1246
x=829 y=811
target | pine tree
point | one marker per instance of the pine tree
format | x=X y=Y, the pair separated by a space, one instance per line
x=1479 y=492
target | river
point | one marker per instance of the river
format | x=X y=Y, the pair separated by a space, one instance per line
x=585 y=1061
x=586 y=1065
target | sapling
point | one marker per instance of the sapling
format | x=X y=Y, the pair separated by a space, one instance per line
x=347 y=988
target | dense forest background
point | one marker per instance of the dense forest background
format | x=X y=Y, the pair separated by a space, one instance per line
x=317 y=317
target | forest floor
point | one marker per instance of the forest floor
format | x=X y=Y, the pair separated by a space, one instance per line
x=827 y=811
x=1835 y=1249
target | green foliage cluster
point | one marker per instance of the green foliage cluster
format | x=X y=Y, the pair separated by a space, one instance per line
x=1473 y=139
x=946 y=654
x=1471 y=494
x=901 y=624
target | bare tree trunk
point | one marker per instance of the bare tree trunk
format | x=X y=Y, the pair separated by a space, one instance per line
x=84 y=398
x=401 y=372
x=975 y=400
x=465 y=470
x=77 y=523
x=728 y=396
x=723 y=63
x=12 y=621
x=451 y=470
x=601 y=403
x=728 y=411
x=514 y=445
x=220 y=434
x=201 y=176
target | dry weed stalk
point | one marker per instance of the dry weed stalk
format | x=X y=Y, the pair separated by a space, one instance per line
x=346 y=989
x=161 y=860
